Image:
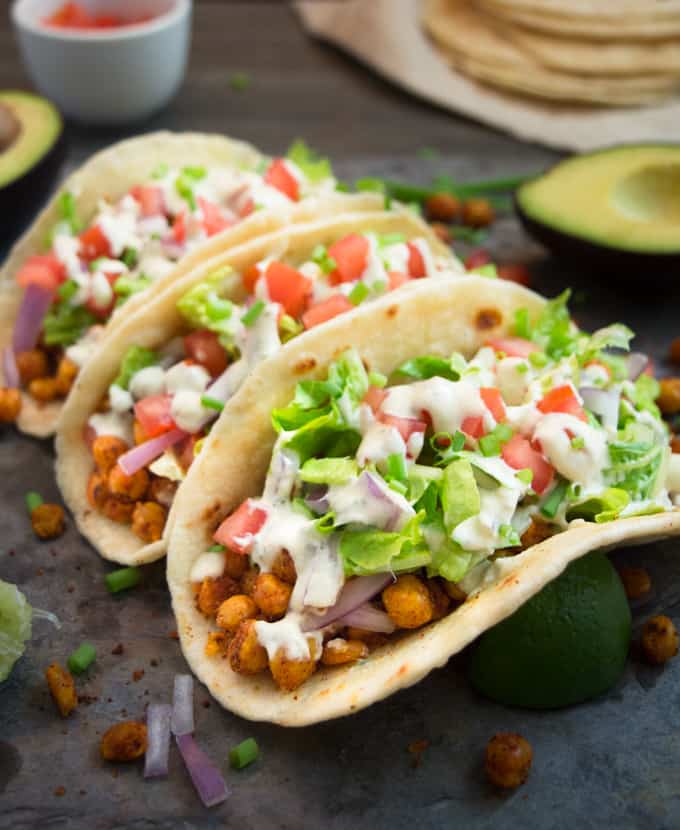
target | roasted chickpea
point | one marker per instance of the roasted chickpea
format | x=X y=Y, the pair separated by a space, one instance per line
x=32 y=364
x=442 y=207
x=271 y=595
x=508 y=760
x=132 y=487
x=408 y=602
x=669 y=396
x=10 y=405
x=337 y=652
x=138 y=433
x=97 y=491
x=636 y=581
x=233 y=611
x=106 y=450
x=162 y=491
x=148 y=521
x=62 y=688
x=284 y=567
x=371 y=638
x=212 y=593
x=67 y=371
x=118 y=509
x=124 y=741
x=440 y=599
x=217 y=644
x=246 y=655
x=674 y=351
x=248 y=580
x=43 y=390
x=288 y=674
x=659 y=640
x=478 y=213
x=442 y=232
x=235 y=564
x=456 y=593
x=48 y=520
x=537 y=531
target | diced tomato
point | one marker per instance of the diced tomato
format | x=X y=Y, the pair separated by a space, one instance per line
x=282 y=179
x=103 y=312
x=416 y=262
x=396 y=279
x=94 y=243
x=520 y=455
x=247 y=209
x=515 y=273
x=493 y=401
x=374 y=397
x=473 y=426
x=512 y=346
x=289 y=287
x=562 y=399
x=250 y=276
x=185 y=450
x=237 y=532
x=153 y=413
x=326 y=310
x=214 y=220
x=351 y=255
x=476 y=259
x=46 y=271
x=204 y=347
x=406 y=427
x=179 y=227
x=150 y=199
x=71 y=15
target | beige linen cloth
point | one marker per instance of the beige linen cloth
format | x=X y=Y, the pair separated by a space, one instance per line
x=386 y=35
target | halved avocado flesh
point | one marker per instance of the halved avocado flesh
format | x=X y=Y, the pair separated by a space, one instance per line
x=615 y=203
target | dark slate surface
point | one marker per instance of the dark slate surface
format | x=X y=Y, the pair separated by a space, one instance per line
x=612 y=762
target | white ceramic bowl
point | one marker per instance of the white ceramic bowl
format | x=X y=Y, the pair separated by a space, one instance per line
x=107 y=76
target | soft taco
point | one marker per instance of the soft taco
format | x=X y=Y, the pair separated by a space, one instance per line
x=377 y=496
x=141 y=408
x=134 y=217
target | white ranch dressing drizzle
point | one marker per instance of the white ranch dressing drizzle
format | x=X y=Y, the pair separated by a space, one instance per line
x=209 y=565
x=584 y=465
x=118 y=424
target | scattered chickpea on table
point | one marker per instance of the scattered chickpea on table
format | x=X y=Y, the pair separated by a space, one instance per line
x=659 y=640
x=124 y=741
x=508 y=760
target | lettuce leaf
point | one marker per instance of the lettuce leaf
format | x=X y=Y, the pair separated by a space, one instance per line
x=428 y=366
x=636 y=460
x=328 y=470
x=600 y=508
x=315 y=168
x=65 y=324
x=204 y=308
x=367 y=552
x=136 y=358
x=459 y=494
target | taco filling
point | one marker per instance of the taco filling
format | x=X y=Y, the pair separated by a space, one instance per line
x=386 y=504
x=161 y=405
x=90 y=269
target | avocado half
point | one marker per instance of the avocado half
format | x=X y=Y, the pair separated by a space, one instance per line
x=32 y=149
x=614 y=208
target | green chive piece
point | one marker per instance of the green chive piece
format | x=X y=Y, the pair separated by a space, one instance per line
x=551 y=505
x=216 y=548
x=239 y=81
x=81 y=658
x=322 y=258
x=195 y=172
x=244 y=754
x=211 y=403
x=396 y=466
x=253 y=313
x=96 y=264
x=538 y=359
x=577 y=442
x=67 y=290
x=33 y=500
x=526 y=476
x=358 y=294
x=377 y=379
x=398 y=486
x=490 y=445
x=122 y=579
x=129 y=257
x=458 y=441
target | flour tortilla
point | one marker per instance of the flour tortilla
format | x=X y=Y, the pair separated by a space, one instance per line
x=111 y=173
x=156 y=323
x=425 y=318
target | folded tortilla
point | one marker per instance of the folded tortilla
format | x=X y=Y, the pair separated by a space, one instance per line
x=111 y=173
x=158 y=322
x=425 y=317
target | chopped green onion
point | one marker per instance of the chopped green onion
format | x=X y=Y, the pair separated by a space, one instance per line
x=216 y=548
x=321 y=257
x=96 y=264
x=129 y=257
x=396 y=466
x=195 y=173
x=551 y=505
x=81 y=658
x=358 y=294
x=244 y=754
x=522 y=324
x=33 y=500
x=67 y=290
x=122 y=579
x=377 y=379
x=68 y=210
x=289 y=327
x=387 y=239
x=185 y=187
x=211 y=403
x=239 y=81
x=488 y=270
x=397 y=486
x=526 y=476
x=160 y=171
x=490 y=445
x=521 y=368
x=253 y=313
x=218 y=308
x=538 y=359
x=378 y=286
x=578 y=442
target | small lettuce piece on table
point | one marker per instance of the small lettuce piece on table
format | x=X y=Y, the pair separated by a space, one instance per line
x=136 y=358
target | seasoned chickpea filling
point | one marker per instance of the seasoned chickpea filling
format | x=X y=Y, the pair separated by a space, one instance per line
x=388 y=502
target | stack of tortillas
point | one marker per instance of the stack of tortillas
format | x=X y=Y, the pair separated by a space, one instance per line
x=579 y=51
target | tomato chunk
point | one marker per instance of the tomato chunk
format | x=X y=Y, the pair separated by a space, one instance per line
x=289 y=287
x=247 y=209
x=326 y=310
x=250 y=277
x=185 y=450
x=282 y=179
x=94 y=243
x=204 y=347
x=515 y=273
x=397 y=279
x=150 y=199
x=214 y=220
x=179 y=227
x=493 y=401
x=513 y=346
x=154 y=415
x=351 y=255
x=562 y=399
x=473 y=426
x=416 y=262
x=238 y=531
x=374 y=397
x=406 y=427
x=520 y=455
x=46 y=271
x=476 y=259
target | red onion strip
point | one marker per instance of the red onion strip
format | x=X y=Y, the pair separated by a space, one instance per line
x=183 y=705
x=368 y=618
x=636 y=363
x=29 y=321
x=9 y=368
x=142 y=455
x=158 y=727
x=354 y=593
x=206 y=777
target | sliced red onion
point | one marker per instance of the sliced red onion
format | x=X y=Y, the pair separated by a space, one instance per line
x=173 y=249
x=183 y=705
x=32 y=311
x=206 y=777
x=355 y=593
x=368 y=618
x=636 y=363
x=603 y=402
x=9 y=368
x=142 y=455
x=158 y=717
x=317 y=499
x=396 y=511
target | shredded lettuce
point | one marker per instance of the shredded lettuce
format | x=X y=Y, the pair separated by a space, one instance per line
x=367 y=552
x=315 y=168
x=428 y=366
x=329 y=470
x=459 y=494
x=126 y=285
x=204 y=308
x=636 y=460
x=65 y=324
x=136 y=358
x=600 y=508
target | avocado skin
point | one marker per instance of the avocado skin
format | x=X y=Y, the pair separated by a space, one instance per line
x=20 y=199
